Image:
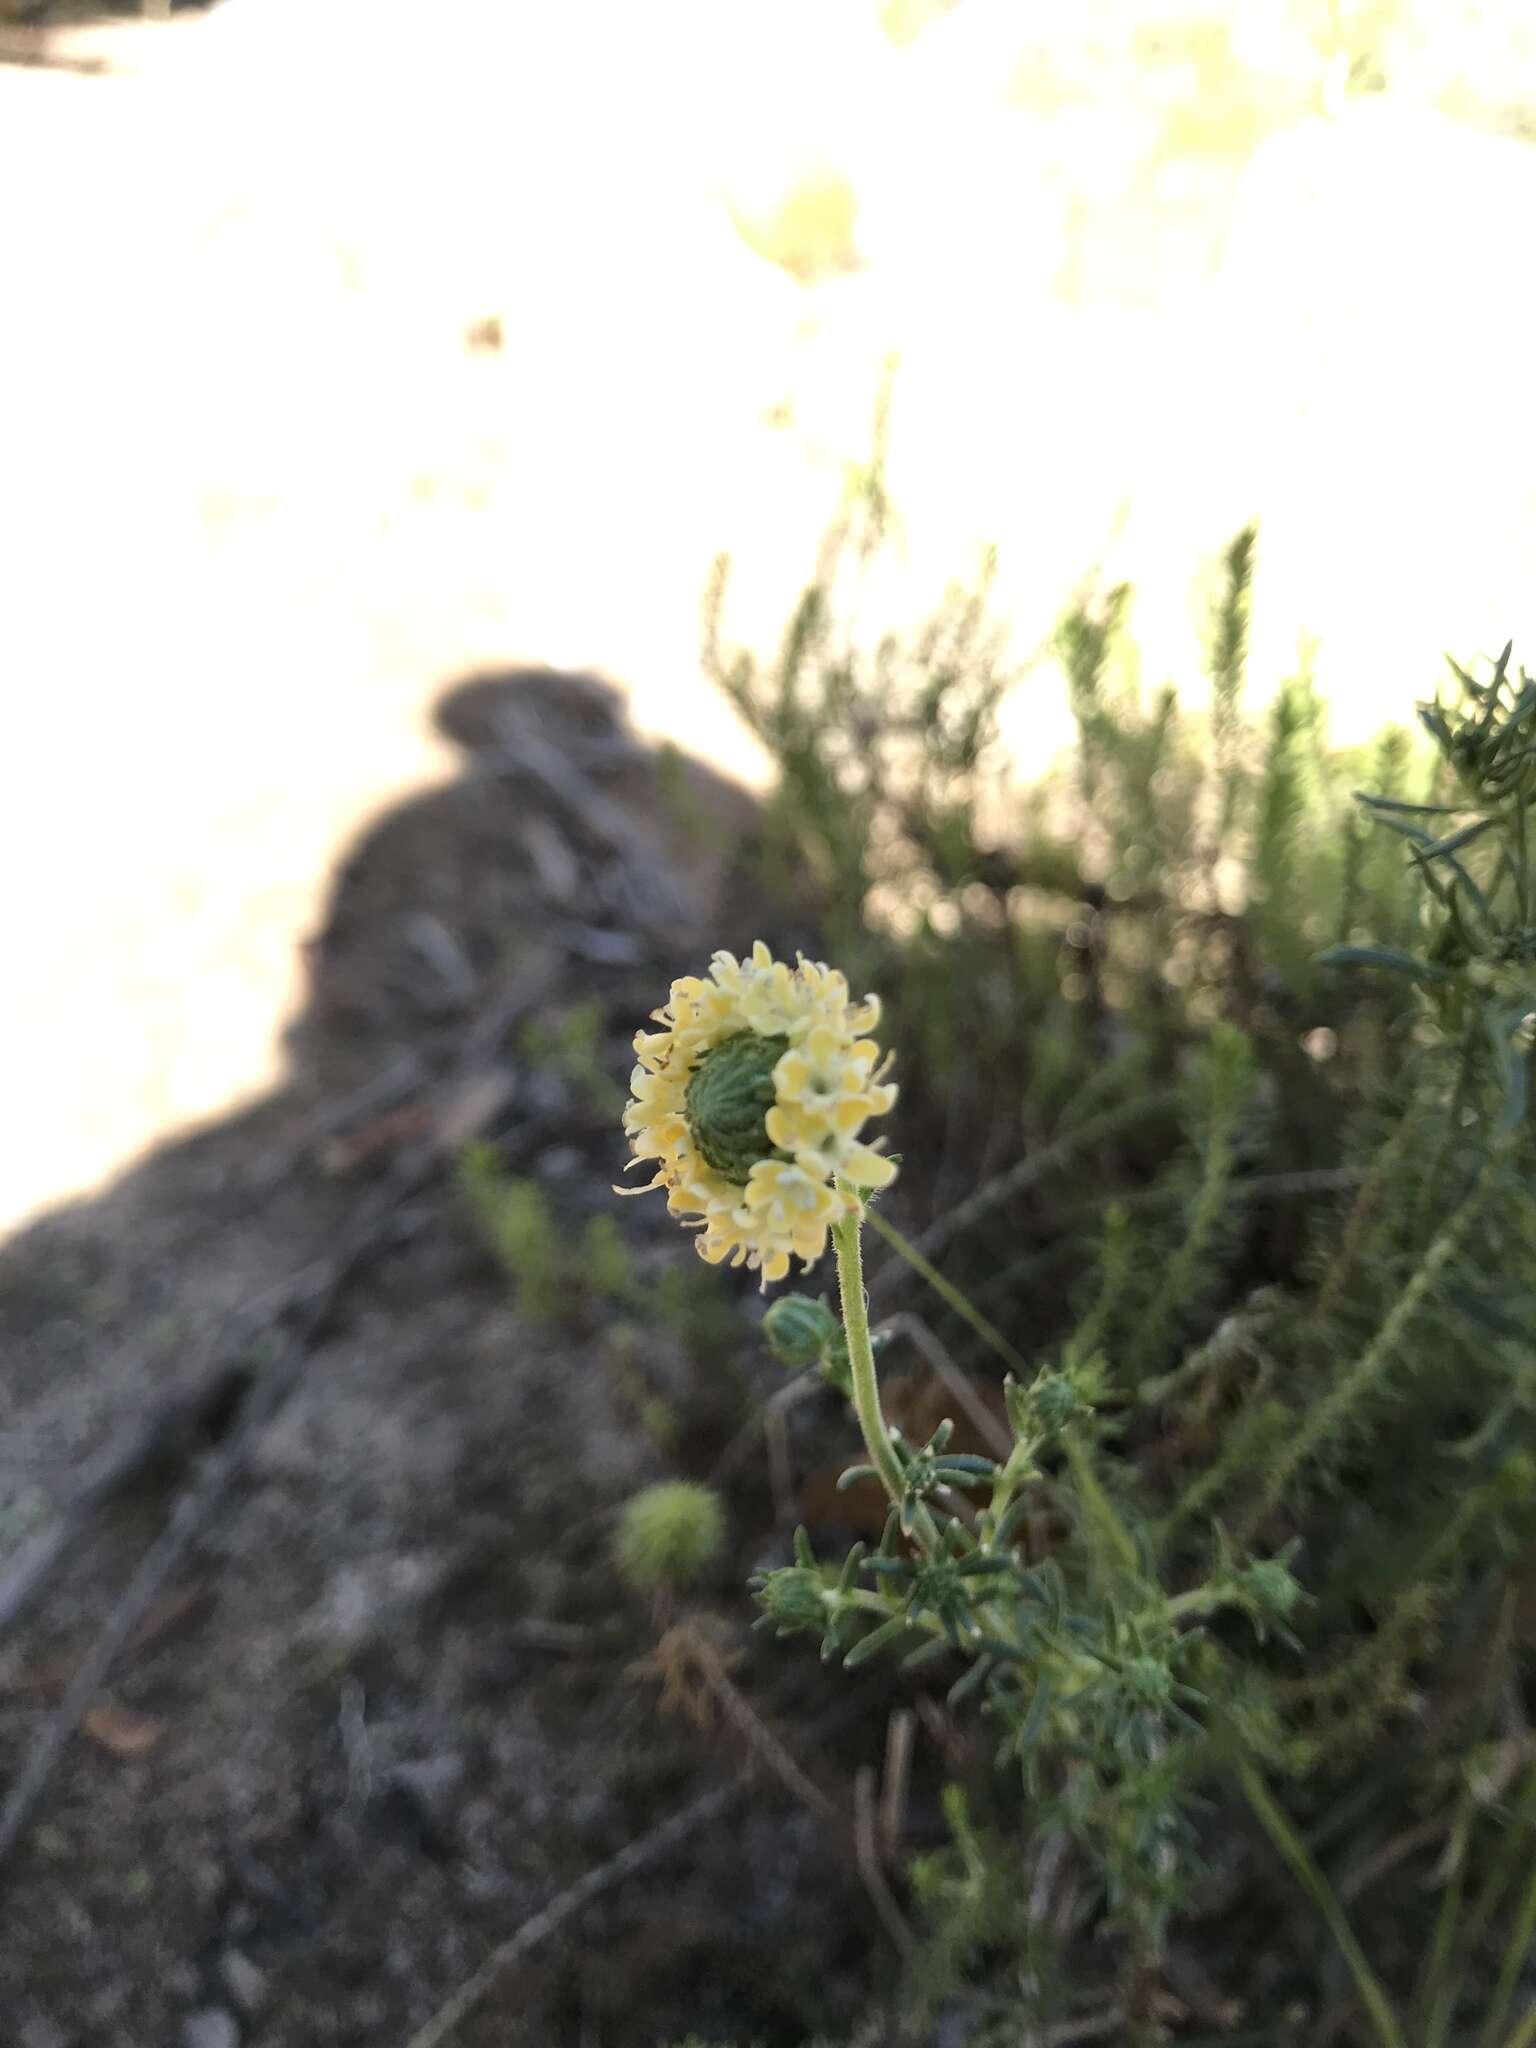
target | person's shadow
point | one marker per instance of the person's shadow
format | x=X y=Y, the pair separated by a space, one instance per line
x=301 y=1742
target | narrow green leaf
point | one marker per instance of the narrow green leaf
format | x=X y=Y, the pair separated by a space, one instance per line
x=877 y=1640
x=1393 y=803
x=1440 y=848
x=1390 y=957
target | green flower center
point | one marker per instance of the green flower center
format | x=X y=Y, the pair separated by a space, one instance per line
x=727 y=1101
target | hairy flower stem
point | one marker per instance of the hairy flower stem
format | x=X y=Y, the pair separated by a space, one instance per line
x=861 y=1357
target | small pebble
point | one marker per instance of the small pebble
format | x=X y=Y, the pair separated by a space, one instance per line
x=213 y=2027
x=245 y=1981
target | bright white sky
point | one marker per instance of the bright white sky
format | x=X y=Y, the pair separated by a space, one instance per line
x=1150 y=272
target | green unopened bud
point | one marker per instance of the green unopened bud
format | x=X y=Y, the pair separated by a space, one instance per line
x=799 y=1330
x=1148 y=1681
x=1054 y=1401
x=1271 y=1588
x=794 y=1598
x=727 y=1100
x=668 y=1535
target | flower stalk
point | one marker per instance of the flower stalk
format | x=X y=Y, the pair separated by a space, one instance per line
x=861 y=1357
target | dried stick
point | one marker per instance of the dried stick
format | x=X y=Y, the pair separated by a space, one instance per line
x=1035 y=1166
x=685 y=1652
x=867 y=1850
x=987 y=1425
x=646 y=1849
x=896 y=1781
x=166 y=1432
x=635 y=1856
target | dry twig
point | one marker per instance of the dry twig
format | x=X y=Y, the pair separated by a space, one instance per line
x=696 y=1677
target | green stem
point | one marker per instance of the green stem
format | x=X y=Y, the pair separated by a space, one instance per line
x=1329 y=1415
x=1505 y=1868
x=1183 y=1270
x=861 y=1357
x=1452 y=1132
x=1326 y=1899
x=1246 y=1438
x=949 y=1292
x=1440 y=1985
x=1099 y=1510
x=1407 y=1610
x=1438 y=1997
x=1516 y=1951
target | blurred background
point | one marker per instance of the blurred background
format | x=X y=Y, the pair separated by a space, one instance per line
x=352 y=346
x=381 y=384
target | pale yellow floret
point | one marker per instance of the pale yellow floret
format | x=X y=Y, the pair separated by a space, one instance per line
x=826 y=1086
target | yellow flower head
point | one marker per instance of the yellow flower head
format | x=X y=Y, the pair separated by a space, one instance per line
x=751 y=1099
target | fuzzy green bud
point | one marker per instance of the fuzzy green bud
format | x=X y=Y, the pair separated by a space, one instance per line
x=727 y=1100
x=668 y=1535
x=799 y=1330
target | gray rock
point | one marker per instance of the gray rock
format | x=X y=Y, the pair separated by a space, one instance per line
x=40 y=2032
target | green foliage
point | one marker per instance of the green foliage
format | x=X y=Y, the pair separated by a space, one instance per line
x=570 y=1042
x=1216 y=1102
x=564 y=1277
x=605 y=1262
x=1218 y=1115
x=971 y=1895
x=515 y=1220
x=1052 y=951
x=556 y=1276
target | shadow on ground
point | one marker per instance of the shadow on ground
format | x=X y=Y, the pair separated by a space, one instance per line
x=373 y=1706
